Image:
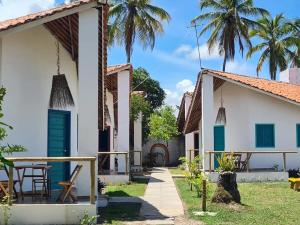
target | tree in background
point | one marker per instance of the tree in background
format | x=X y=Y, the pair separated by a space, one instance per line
x=228 y=21
x=135 y=18
x=154 y=96
x=163 y=124
x=6 y=149
x=138 y=105
x=277 y=42
x=295 y=56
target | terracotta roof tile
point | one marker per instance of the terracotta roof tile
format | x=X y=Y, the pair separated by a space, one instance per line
x=7 y=24
x=118 y=68
x=282 y=89
x=286 y=91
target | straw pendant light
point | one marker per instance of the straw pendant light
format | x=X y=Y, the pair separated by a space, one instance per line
x=60 y=96
x=221 y=116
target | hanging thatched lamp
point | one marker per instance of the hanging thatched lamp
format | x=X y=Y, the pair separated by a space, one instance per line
x=60 y=96
x=221 y=116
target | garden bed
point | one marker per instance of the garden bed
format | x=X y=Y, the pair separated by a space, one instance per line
x=262 y=203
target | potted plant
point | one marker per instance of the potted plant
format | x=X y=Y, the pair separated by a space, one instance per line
x=227 y=189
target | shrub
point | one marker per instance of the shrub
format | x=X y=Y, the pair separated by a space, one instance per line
x=226 y=163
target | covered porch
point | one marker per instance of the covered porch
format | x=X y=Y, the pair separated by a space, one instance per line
x=42 y=207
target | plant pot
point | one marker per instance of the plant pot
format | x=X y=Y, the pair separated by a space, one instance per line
x=227 y=189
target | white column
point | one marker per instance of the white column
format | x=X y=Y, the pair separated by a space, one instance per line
x=138 y=140
x=88 y=92
x=0 y=61
x=207 y=117
x=189 y=145
x=123 y=116
x=189 y=138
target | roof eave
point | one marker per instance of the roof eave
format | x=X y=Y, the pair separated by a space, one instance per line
x=49 y=18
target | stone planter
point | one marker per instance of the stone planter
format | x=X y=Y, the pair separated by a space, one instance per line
x=227 y=189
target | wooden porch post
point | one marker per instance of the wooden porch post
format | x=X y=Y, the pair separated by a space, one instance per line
x=284 y=162
x=93 y=177
x=10 y=184
x=209 y=158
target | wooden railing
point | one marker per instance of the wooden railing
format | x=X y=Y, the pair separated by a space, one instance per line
x=190 y=153
x=249 y=154
x=92 y=161
x=126 y=155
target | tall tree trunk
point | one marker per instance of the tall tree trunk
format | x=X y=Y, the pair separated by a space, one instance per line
x=224 y=63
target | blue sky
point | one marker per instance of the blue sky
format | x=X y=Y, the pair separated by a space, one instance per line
x=173 y=62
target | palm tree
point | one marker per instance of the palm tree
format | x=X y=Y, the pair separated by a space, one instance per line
x=295 y=56
x=135 y=18
x=229 y=21
x=277 y=40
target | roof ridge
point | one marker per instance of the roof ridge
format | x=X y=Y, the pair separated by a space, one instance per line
x=252 y=77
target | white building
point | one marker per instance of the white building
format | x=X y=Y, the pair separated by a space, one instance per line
x=28 y=61
x=261 y=116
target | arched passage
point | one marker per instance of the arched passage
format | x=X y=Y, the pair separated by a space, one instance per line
x=164 y=147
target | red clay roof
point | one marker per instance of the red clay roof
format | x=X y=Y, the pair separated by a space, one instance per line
x=286 y=91
x=7 y=24
x=118 y=68
x=282 y=89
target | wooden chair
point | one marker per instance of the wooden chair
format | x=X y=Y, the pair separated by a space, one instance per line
x=245 y=162
x=67 y=186
x=4 y=183
x=44 y=182
x=3 y=189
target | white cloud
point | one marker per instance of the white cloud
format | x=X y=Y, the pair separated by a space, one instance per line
x=191 y=53
x=173 y=97
x=14 y=8
x=185 y=85
x=239 y=67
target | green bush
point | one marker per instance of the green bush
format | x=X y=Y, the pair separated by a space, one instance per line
x=226 y=163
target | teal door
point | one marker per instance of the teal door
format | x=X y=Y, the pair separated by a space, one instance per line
x=59 y=145
x=219 y=142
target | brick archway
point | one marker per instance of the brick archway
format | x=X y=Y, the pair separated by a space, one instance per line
x=166 y=150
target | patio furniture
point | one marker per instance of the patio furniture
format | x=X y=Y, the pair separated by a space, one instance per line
x=67 y=186
x=44 y=182
x=3 y=189
x=295 y=183
x=4 y=183
x=21 y=172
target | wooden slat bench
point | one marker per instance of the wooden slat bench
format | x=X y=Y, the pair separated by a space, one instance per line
x=295 y=183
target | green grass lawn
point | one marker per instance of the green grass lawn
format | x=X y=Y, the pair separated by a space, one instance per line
x=262 y=204
x=116 y=213
x=136 y=187
x=176 y=171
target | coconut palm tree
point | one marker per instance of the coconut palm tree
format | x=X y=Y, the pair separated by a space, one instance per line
x=133 y=19
x=228 y=21
x=277 y=41
x=295 y=56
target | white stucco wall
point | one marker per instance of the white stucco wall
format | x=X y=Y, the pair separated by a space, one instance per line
x=189 y=138
x=88 y=71
x=244 y=109
x=27 y=66
x=123 y=116
x=110 y=106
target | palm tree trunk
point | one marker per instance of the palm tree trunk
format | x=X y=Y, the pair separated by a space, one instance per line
x=224 y=63
x=128 y=58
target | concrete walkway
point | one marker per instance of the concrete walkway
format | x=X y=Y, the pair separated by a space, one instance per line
x=161 y=202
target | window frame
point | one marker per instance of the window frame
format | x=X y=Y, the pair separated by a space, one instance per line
x=256 y=137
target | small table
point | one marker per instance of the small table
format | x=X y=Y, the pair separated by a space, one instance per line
x=21 y=176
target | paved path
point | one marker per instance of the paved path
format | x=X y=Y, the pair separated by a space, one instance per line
x=161 y=201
